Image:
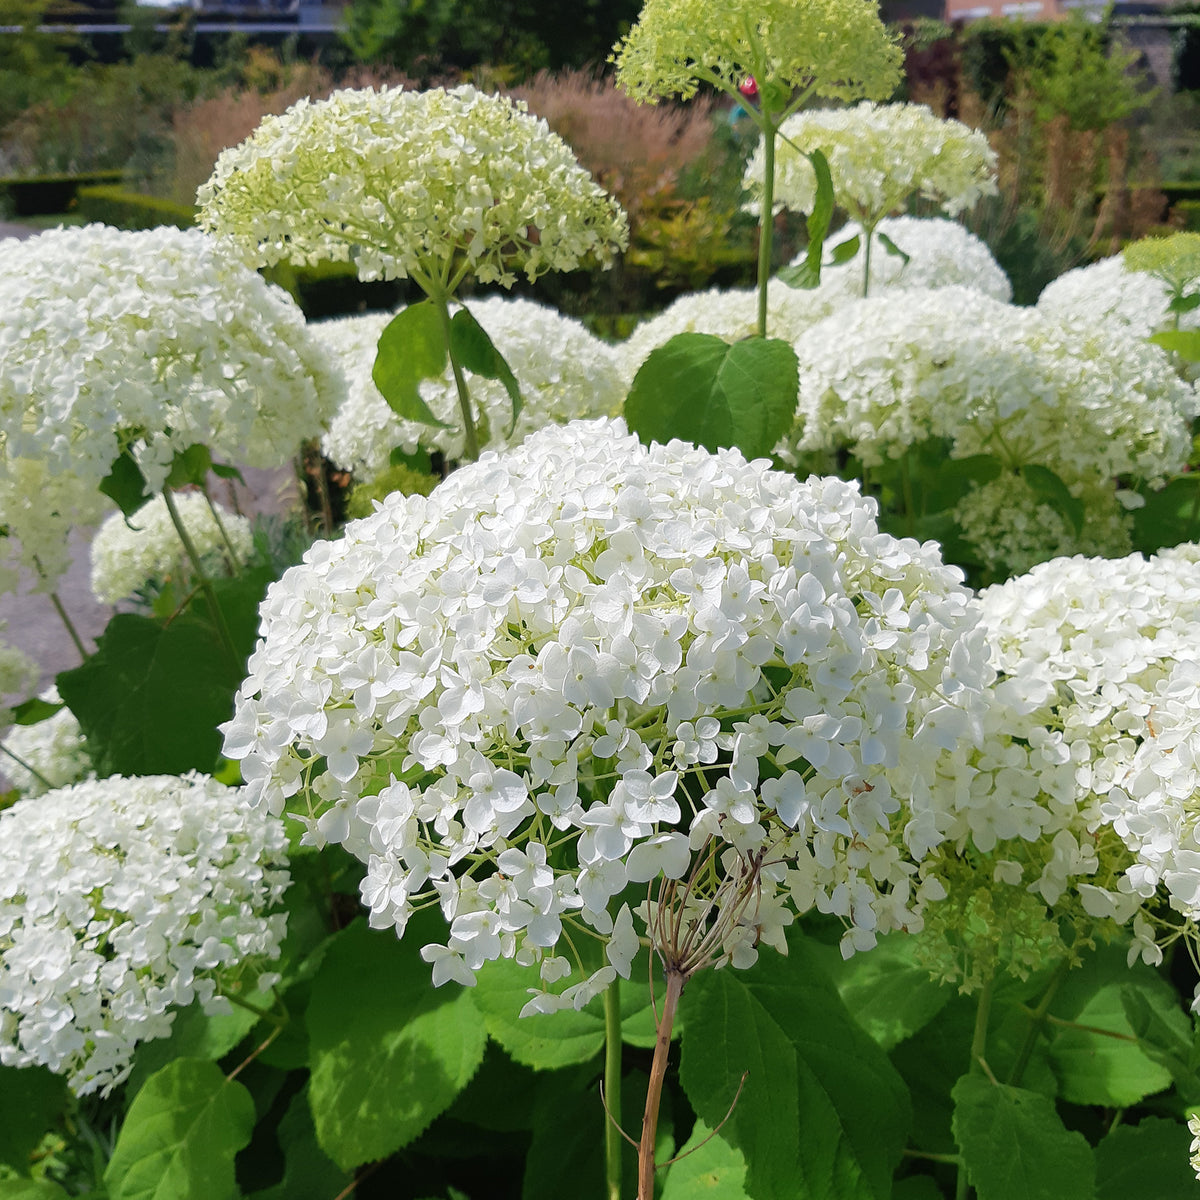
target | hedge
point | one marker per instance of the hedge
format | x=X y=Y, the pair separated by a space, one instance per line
x=38 y=195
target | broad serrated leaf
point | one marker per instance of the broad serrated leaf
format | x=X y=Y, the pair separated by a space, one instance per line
x=308 y=1173
x=388 y=1052
x=31 y=1098
x=1048 y=487
x=1170 y=515
x=180 y=1136
x=412 y=348
x=194 y=1034
x=700 y=388
x=887 y=992
x=823 y=1113
x=35 y=711
x=714 y=1170
x=1165 y=1037
x=475 y=350
x=916 y=1187
x=30 y=1189
x=546 y=1041
x=190 y=466
x=1014 y=1143
x=952 y=479
x=1184 y=342
x=1148 y=1161
x=125 y=485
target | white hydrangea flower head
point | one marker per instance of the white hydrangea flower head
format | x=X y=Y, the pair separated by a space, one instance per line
x=729 y=313
x=558 y=646
x=1194 y=1129
x=880 y=155
x=18 y=677
x=941 y=253
x=564 y=372
x=146 y=549
x=120 y=900
x=148 y=342
x=1107 y=291
x=430 y=184
x=1085 y=793
x=54 y=748
x=1091 y=404
x=1011 y=528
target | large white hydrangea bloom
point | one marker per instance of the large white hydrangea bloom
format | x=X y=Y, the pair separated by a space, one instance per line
x=729 y=313
x=879 y=156
x=121 y=899
x=1108 y=291
x=430 y=184
x=54 y=748
x=1094 y=741
x=564 y=373
x=127 y=554
x=583 y=665
x=941 y=253
x=147 y=342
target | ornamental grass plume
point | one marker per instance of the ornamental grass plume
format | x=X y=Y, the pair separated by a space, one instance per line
x=131 y=554
x=583 y=666
x=120 y=900
x=1082 y=813
x=142 y=343
x=564 y=372
x=435 y=185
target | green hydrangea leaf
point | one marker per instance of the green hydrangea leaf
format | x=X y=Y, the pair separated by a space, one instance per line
x=700 y=388
x=1170 y=515
x=411 y=348
x=891 y=247
x=476 y=352
x=33 y=712
x=1049 y=488
x=823 y=1113
x=31 y=1098
x=190 y=466
x=1148 y=1161
x=30 y=1189
x=1014 y=1144
x=180 y=1136
x=1164 y=1036
x=389 y=1056
x=308 y=1173
x=125 y=485
x=843 y=252
x=1184 y=342
x=712 y=1171
x=194 y=1034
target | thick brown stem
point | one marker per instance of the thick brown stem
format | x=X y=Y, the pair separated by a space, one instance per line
x=658 y=1070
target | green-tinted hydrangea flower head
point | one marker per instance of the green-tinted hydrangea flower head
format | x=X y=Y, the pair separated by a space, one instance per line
x=833 y=48
x=433 y=184
x=879 y=156
x=1175 y=260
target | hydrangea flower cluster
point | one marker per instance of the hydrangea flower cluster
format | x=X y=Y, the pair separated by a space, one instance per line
x=432 y=184
x=833 y=48
x=18 y=676
x=584 y=665
x=129 y=554
x=941 y=253
x=1111 y=291
x=1093 y=743
x=54 y=748
x=730 y=314
x=879 y=156
x=1174 y=260
x=121 y=899
x=147 y=342
x=563 y=370
x=1091 y=404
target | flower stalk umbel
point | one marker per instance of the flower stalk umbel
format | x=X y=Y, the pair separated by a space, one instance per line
x=837 y=49
x=432 y=186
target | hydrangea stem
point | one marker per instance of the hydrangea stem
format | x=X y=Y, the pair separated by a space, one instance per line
x=978 y=1048
x=766 y=232
x=71 y=630
x=26 y=766
x=612 y=1089
x=869 y=236
x=658 y=1070
x=471 y=444
x=234 y=561
x=1037 y=1020
x=205 y=583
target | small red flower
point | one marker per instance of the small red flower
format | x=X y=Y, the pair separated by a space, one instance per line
x=748 y=87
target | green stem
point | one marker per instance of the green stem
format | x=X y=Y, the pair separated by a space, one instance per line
x=234 y=561
x=1037 y=1019
x=612 y=1089
x=978 y=1048
x=766 y=232
x=32 y=770
x=202 y=579
x=909 y=504
x=869 y=234
x=471 y=446
x=66 y=620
